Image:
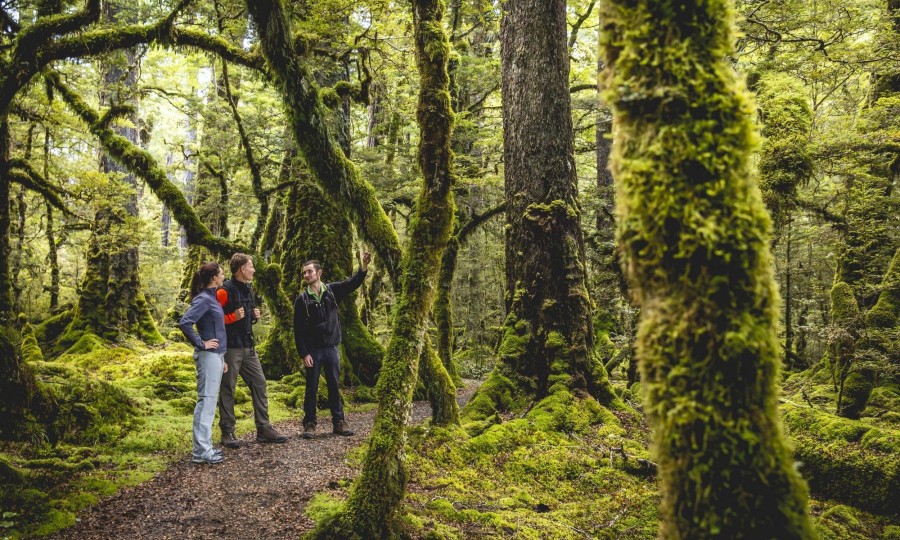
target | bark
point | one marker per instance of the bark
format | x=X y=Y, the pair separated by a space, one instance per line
x=373 y=509
x=695 y=238
x=547 y=334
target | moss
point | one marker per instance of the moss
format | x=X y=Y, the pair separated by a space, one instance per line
x=30 y=350
x=886 y=311
x=846 y=460
x=497 y=393
x=84 y=409
x=52 y=327
x=844 y=309
x=856 y=391
x=695 y=240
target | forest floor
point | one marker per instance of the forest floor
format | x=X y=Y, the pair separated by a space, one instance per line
x=260 y=491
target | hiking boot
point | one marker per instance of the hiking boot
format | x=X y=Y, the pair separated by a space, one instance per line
x=211 y=458
x=229 y=440
x=309 y=430
x=269 y=434
x=341 y=428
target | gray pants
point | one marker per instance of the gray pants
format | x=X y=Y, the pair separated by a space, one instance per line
x=246 y=363
x=209 y=375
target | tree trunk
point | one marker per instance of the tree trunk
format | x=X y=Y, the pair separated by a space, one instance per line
x=373 y=509
x=695 y=238
x=547 y=334
x=52 y=248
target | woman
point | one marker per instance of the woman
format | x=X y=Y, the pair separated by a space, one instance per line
x=209 y=356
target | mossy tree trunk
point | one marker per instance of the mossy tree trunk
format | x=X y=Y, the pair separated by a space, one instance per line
x=843 y=336
x=6 y=285
x=695 y=237
x=373 y=509
x=785 y=164
x=547 y=333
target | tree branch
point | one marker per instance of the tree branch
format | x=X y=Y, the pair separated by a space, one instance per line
x=141 y=163
x=31 y=179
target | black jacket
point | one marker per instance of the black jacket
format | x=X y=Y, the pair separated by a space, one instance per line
x=316 y=323
x=235 y=294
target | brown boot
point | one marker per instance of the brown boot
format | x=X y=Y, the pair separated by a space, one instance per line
x=269 y=434
x=229 y=440
x=341 y=428
x=309 y=430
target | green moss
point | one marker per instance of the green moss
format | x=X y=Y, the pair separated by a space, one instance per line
x=846 y=460
x=857 y=389
x=886 y=311
x=30 y=350
x=51 y=328
x=695 y=241
x=844 y=309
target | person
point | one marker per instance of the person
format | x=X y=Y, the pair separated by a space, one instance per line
x=241 y=313
x=317 y=334
x=209 y=356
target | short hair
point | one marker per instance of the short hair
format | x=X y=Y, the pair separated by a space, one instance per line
x=237 y=261
x=315 y=264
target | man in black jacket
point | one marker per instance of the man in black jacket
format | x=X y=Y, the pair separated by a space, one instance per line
x=317 y=334
x=241 y=313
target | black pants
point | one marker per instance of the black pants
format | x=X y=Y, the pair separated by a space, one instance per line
x=326 y=360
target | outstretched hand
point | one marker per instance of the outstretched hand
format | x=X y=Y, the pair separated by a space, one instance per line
x=366 y=259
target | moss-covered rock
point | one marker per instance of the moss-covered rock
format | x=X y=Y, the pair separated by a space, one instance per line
x=85 y=410
x=846 y=460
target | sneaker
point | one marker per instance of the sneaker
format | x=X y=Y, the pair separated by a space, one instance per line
x=229 y=440
x=268 y=434
x=212 y=458
x=341 y=428
x=309 y=430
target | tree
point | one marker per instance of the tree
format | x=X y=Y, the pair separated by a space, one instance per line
x=695 y=237
x=547 y=344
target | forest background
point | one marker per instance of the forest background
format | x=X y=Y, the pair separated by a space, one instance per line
x=140 y=139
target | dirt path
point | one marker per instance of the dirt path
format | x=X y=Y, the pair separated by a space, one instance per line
x=258 y=493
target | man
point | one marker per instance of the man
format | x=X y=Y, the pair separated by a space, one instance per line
x=317 y=334
x=241 y=314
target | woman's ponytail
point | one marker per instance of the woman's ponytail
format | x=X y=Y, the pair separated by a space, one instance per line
x=203 y=276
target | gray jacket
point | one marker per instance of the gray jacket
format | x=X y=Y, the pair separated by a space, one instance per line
x=207 y=314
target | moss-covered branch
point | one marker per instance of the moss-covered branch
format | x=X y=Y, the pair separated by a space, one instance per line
x=142 y=164
x=31 y=179
x=695 y=239
x=337 y=174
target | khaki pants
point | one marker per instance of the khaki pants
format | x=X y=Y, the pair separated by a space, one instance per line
x=246 y=363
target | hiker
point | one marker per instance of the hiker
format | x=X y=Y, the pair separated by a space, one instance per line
x=317 y=334
x=237 y=301
x=209 y=352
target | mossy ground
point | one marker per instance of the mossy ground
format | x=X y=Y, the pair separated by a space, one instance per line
x=557 y=471
x=137 y=408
